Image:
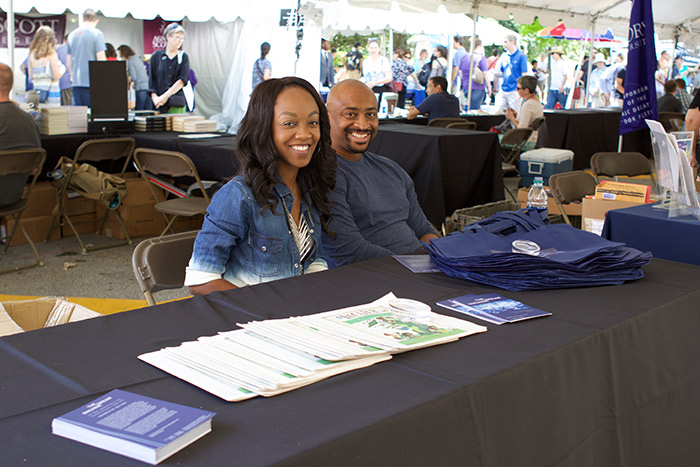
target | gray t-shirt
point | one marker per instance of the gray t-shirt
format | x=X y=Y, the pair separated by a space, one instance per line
x=83 y=45
x=17 y=131
x=374 y=212
x=137 y=73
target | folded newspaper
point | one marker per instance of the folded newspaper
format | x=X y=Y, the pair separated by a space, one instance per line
x=270 y=357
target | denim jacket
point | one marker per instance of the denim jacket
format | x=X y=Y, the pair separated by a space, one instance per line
x=248 y=247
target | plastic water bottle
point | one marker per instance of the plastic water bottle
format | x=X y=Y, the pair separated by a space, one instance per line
x=537 y=197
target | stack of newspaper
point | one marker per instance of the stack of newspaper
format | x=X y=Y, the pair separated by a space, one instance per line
x=274 y=356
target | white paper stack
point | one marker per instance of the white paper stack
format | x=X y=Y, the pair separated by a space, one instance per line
x=53 y=121
x=77 y=118
x=273 y=356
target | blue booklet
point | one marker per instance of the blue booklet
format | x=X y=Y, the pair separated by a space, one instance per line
x=492 y=308
x=418 y=263
x=135 y=426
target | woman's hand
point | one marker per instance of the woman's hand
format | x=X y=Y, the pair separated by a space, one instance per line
x=159 y=101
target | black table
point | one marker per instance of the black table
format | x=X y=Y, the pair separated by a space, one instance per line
x=588 y=131
x=610 y=379
x=215 y=158
x=483 y=122
x=649 y=229
x=451 y=169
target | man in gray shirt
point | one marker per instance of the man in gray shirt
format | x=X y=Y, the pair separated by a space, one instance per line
x=85 y=44
x=17 y=131
x=374 y=208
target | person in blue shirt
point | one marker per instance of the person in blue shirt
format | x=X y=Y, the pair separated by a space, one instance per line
x=438 y=104
x=511 y=68
x=266 y=223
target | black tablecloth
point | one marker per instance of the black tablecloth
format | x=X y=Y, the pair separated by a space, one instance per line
x=649 y=229
x=483 y=122
x=215 y=158
x=610 y=379
x=451 y=169
x=587 y=131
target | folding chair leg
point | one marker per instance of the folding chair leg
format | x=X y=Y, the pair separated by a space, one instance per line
x=508 y=190
x=48 y=232
x=169 y=226
x=12 y=234
x=75 y=232
x=127 y=241
x=149 y=298
x=38 y=261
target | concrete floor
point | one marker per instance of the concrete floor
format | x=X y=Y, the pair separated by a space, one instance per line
x=67 y=272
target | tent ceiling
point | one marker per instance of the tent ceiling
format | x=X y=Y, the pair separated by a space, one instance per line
x=613 y=14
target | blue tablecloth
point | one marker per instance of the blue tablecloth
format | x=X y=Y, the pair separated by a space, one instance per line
x=649 y=229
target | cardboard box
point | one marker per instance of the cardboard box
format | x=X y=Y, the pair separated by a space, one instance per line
x=41 y=201
x=619 y=191
x=36 y=228
x=76 y=205
x=141 y=220
x=137 y=191
x=28 y=315
x=572 y=209
x=84 y=223
x=594 y=211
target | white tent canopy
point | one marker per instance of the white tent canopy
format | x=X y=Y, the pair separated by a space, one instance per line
x=670 y=16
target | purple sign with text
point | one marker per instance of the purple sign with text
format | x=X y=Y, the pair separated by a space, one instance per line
x=639 y=101
x=26 y=26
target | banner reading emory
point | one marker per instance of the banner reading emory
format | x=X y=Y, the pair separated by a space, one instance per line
x=639 y=100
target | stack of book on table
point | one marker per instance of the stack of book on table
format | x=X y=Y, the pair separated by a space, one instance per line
x=178 y=121
x=274 y=356
x=150 y=123
x=62 y=120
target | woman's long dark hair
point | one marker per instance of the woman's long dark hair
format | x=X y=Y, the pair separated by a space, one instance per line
x=264 y=50
x=257 y=154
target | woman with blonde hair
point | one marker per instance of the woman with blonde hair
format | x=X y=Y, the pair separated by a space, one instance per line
x=44 y=66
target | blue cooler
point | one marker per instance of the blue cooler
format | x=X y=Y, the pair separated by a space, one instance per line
x=544 y=162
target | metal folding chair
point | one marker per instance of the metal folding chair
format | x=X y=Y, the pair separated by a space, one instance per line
x=462 y=125
x=537 y=123
x=571 y=186
x=16 y=166
x=614 y=164
x=159 y=263
x=155 y=162
x=94 y=150
x=444 y=121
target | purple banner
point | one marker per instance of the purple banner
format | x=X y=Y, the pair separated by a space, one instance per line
x=26 y=26
x=639 y=101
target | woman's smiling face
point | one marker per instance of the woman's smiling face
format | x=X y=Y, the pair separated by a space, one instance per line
x=295 y=129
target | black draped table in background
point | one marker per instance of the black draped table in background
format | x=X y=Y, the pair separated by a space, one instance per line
x=215 y=158
x=451 y=169
x=588 y=131
x=611 y=378
x=483 y=122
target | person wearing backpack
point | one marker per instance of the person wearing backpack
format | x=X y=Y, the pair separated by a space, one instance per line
x=479 y=82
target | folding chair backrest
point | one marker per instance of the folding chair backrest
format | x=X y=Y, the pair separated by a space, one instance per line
x=22 y=161
x=516 y=136
x=612 y=164
x=444 y=121
x=462 y=125
x=95 y=150
x=17 y=165
x=170 y=163
x=537 y=123
x=159 y=263
x=677 y=124
x=571 y=186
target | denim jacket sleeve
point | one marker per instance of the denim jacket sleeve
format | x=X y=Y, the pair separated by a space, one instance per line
x=225 y=226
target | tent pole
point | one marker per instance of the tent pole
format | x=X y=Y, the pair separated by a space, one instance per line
x=475 y=17
x=11 y=36
x=590 y=61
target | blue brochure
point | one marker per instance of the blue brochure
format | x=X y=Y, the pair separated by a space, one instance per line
x=492 y=308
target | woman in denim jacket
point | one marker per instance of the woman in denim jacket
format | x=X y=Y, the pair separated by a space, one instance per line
x=266 y=223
